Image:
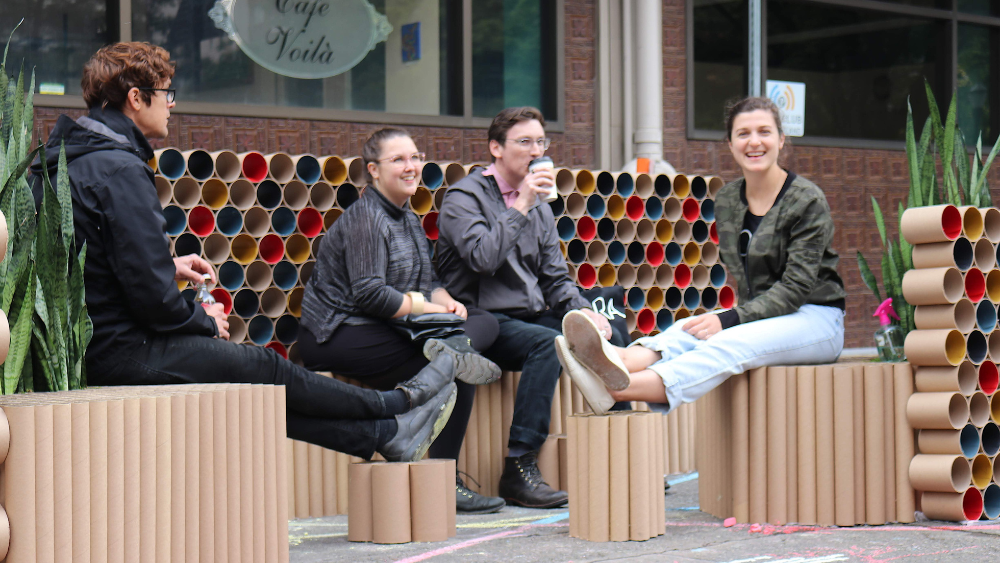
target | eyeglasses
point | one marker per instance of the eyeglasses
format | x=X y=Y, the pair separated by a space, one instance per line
x=743 y=243
x=171 y=92
x=526 y=142
x=400 y=161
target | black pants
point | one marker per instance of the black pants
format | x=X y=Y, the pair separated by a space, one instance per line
x=528 y=346
x=320 y=410
x=379 y=357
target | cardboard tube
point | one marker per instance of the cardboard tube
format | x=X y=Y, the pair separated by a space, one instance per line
x=19 y=501
x=244 y=249
x=79 y=475
x=985 y=255
x=321 y=196
x=280 y=167
x=242 y=194
x=933 y=286
x=960 y=315
x=858 y=372
x=961 y=379
x=606 y=275
x=359 y=518
x=993 y=285
x=874 y=445
x=645 y=231
x=843 y=435
x=626 y=275
x=936 y=223
x=989 y=439
x=972 y=222
x=993 y=343
x=682 y=231
x=902 y=389
x=950 y=254
x=940 y=347
x=991 y=223
x=954 y=507
x=619 y=478
x=655 y=481
x=937 y=410
x=777 y=447
x=163 y=190
x=975 y=284
x=806 y=421
x=740 y=432
x=889 y=442
x=979 y=409
x=334 y=169
x=598 y=473
x=258 y=501
x=214 y=193
x=991 y=501
x=792 y=445
x=169 y=162
x=572 y=490
x=583 y=476
x=187 y=192
x=758 y=454
x=428 y=501
x=624 y=231
x=681 y=185
x=982 y=471
x=964 y=442
x=639 y=493
x=940 y=473
x=597 y=253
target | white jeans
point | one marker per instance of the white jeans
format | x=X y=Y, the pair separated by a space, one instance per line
x=691 y=367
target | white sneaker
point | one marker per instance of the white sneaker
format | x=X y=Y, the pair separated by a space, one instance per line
x=590 y=385
x=593 y=351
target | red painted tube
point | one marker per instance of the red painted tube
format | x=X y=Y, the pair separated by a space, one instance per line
x=635 y=208
x=645 y=321
x=654 y=254
x=202 y=222
x=222 y=296
x=254 y=166
x=310 y=222
x=691 y=209
x=279 y=348
x=975 y=285
x=682 y=276
x=713 y=233
x=727 y=298
x=586 y=276
x=430 y=223
x=272 y=249
x=586 y=228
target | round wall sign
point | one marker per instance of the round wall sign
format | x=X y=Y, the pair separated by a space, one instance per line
x=302 y=38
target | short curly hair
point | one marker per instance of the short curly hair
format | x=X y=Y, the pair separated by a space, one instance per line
x=115 y=69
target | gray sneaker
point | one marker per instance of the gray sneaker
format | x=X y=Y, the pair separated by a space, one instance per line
x=419 y=427
x=470 y=366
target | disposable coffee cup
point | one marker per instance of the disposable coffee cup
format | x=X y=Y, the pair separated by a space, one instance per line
x=544 y=163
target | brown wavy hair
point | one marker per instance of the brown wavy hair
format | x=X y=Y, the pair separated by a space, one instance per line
x=115 y=69
x=747 y=105
x=372 y=148
x=507 y=119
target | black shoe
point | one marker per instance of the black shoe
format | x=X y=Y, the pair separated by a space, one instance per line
x=419 y=427
x=522 y=484
x=470 y=502
x=422 y=387
x=470 y=367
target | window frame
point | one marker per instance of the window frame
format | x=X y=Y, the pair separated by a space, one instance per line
x=465 y=120
x=952 y=16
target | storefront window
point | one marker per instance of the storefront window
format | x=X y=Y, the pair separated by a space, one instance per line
x=859 y=66
x=513 y=56
x=982 y=7
x=56 y=39
x=212 y=68
x=978 y=74
x=720 y=55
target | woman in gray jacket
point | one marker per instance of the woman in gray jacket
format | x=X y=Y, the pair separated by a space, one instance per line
x=775 y=237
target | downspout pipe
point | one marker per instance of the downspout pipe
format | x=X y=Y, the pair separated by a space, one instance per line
x=647 y=58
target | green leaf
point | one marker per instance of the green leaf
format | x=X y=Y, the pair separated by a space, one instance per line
x=868 y=277
x=986 y=167
x=20 y=333
x=962 y=164
x=922 y=151
x=913 y=160
x=935 y=115
x=947 y=146
x=65 y=200
x=879 y=221
x=890 y=289
x=904 y=247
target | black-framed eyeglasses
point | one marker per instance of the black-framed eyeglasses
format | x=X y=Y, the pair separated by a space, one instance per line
x=170 y=92
x=526 y=142
x=743 y=243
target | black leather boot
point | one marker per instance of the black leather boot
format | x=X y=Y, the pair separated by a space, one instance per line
x=471 y=502
x=428 y=382
x=522 y=484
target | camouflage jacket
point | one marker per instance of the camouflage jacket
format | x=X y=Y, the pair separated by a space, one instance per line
x=790 y=261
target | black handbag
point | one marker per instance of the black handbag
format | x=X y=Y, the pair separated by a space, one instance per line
x=609 y=302
x=428 y=325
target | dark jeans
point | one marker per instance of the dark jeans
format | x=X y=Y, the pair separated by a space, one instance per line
x=528 y=346
x=380 y=357
x=320 y=410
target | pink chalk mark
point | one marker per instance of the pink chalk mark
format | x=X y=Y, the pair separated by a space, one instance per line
x=468 y=543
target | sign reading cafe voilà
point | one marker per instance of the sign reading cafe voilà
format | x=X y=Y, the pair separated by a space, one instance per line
x=302 y=38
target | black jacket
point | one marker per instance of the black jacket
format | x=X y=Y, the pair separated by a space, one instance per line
x=129 y=272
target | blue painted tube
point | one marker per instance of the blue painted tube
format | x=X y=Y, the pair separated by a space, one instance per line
x=595 y=206
x=285 y=275
x=246 y=303
x=606 y=229
x=269 y=194
x=229 y=221
x=636 y=298
x=625 y=185
x=176 y=220
x=636 y=253
x=308 y=169
x=708 y=210
x=286 y=329
x=986 y=316
x=171 y=164
x=432 y=175
x=991 y=501
x=672 y=253
x=717 y=275
x=654 y=208
x=692 y=297
x=664 y=318
x=616 y=253
x=566 y=228
x=576 y=251
x=673 y=297
x=283 y=221
x=260 y=330
x=231 y=276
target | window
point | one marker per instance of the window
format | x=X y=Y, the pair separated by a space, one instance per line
x=512 y=50
x=56 y=39
x=860 y=62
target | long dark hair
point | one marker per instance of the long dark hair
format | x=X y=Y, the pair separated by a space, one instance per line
x=747 y=105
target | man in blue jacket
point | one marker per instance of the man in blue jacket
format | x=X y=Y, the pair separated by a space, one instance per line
x=144 y=331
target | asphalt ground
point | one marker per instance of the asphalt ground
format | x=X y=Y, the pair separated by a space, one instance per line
x=528 y=535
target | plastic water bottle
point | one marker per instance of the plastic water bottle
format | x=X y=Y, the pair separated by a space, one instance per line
x=202 y=296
